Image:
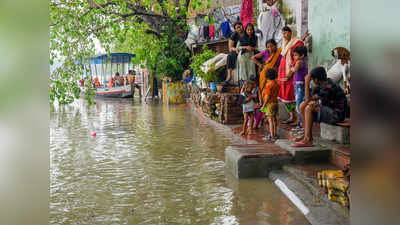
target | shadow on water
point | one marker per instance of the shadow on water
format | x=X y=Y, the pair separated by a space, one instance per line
x=129 y=162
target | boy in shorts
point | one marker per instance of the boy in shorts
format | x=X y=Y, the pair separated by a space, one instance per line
x=326 y=104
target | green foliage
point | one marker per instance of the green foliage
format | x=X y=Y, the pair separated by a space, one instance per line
x=153 y=30
x=174 y=57
x=197 y=62
x=286 y=12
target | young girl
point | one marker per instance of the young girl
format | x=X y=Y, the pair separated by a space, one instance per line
x=299 y=70
x=258 y=115
x=270 y=103
x=248 y=106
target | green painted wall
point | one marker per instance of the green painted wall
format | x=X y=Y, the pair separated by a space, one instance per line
x=329 y=24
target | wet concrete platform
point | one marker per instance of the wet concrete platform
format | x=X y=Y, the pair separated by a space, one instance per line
x=317 y=153
x=316 y=208
x=254 y=160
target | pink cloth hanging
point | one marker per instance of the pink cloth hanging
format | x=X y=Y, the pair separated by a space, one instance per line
x=246 y=12
x=211 y=32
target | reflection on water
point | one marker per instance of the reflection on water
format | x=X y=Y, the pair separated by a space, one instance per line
x=150 y=164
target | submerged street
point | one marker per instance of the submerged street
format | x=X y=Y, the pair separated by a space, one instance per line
x=120 y=162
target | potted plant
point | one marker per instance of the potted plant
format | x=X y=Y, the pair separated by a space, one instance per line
x=197 y=63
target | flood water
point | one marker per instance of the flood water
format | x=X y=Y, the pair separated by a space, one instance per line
x=150 y=164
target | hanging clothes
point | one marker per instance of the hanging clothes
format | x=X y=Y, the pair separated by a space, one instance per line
x=206 y=32
x=226 y=29
x=201 y=31
x=270 y=23
x=211 y=32
x=246 y=12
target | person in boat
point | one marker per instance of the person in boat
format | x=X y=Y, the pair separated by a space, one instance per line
x=119 y=80
x=97 y=82
x=111 y=82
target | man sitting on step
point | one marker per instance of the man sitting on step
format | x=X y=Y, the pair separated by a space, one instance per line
x=327 y=104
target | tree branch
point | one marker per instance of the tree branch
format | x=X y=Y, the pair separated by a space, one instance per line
x=164 y=11
x=154 y=33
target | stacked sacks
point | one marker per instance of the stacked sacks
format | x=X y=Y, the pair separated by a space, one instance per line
x=334 y=182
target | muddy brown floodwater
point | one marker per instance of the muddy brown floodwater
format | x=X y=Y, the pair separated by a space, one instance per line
x=150 y=164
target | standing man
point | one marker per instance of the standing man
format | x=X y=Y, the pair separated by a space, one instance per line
x=130 y=77
x=233 y=52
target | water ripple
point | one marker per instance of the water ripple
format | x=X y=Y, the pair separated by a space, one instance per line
x=149 y=164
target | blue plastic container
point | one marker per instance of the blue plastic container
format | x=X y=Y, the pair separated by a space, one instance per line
x=213 y=86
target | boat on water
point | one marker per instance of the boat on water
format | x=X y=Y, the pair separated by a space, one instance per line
x=125 y=91
x=102 y=67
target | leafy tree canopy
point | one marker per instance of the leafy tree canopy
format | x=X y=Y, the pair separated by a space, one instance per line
x=154 y=30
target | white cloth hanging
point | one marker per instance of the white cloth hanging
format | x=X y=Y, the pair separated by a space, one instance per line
x=270 y=23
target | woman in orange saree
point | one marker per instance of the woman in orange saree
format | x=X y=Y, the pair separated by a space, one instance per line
x=271 y=57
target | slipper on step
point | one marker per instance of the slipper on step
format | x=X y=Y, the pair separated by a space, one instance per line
x=297 y=139
x=301 y=144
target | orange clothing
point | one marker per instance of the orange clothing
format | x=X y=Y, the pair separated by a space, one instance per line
x=96 y=82
x=271 y=90
x=111 y=82
x=120 y=80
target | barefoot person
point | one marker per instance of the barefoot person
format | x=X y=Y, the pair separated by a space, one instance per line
x=299 y=70
x=327 y=104
x=232 y=55
x=286 y=93
x=248 y=107
x=270 y=103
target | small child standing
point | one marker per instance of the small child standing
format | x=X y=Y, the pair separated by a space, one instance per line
x=270 y=103
x=248 y=106
x=258 y=115
x=299 y=70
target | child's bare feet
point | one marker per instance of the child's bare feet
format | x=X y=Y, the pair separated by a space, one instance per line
x=251 y=132
x=242 y=133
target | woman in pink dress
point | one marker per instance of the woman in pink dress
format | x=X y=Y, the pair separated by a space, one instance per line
x=286 y=92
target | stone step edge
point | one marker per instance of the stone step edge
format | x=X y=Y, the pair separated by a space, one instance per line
x=316 y=212
x=315 y=189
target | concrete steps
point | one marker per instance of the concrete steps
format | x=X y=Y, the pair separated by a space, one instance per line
x=317 y=153
x=254 y=160
x=303 y=193
x=340 y=154
x=307 y=175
